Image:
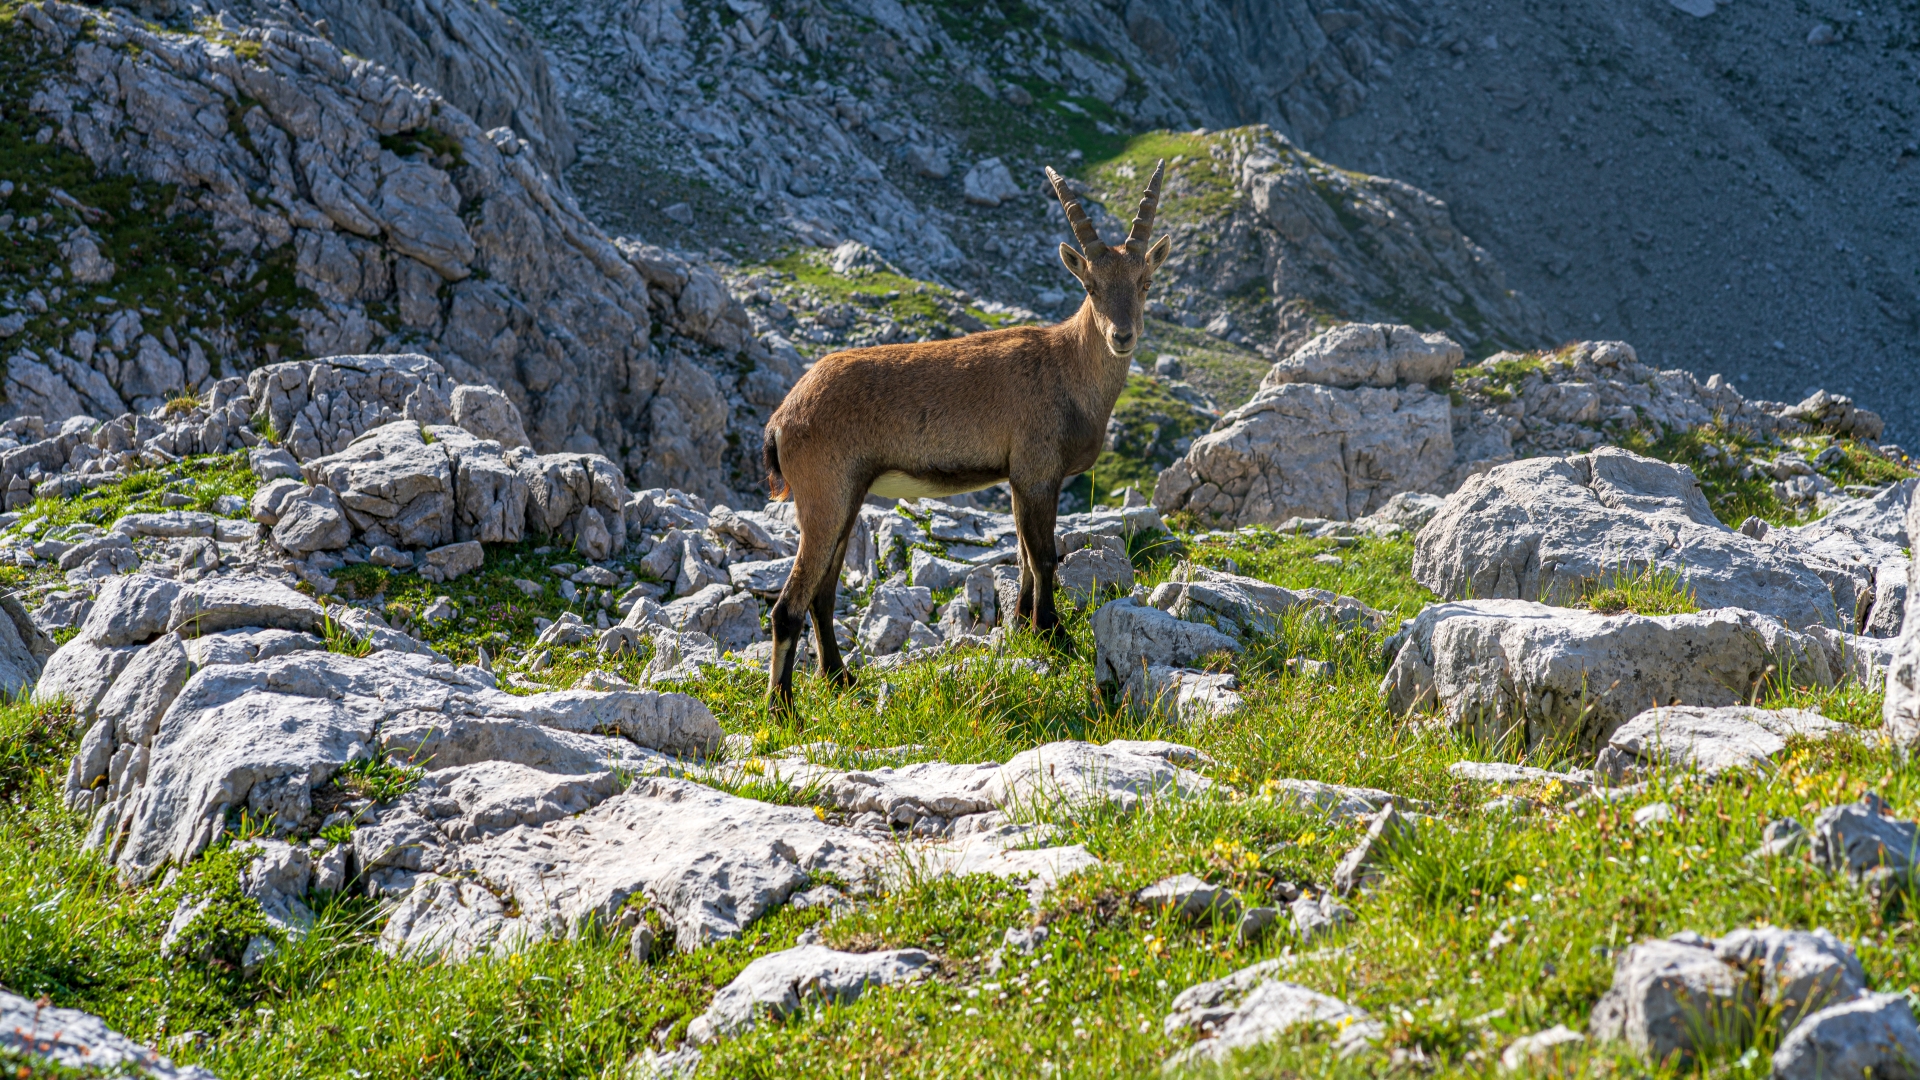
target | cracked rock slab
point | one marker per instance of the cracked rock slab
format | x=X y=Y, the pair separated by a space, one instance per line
x=1251 y=1007
x=1710 y=742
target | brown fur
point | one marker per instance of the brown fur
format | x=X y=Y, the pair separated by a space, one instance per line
x=1028 y=405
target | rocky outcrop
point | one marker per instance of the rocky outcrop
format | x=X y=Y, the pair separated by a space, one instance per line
x=1511 y=670
x=407 y=227
x=1548 y=528
x=1343 y=424
x=475 y=55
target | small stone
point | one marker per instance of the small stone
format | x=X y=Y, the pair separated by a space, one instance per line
x=441 y=610
x=389 y=556
x=1190 y=898
x=1541 y=1050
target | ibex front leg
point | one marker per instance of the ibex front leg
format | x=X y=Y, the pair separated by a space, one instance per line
x=1035 y=505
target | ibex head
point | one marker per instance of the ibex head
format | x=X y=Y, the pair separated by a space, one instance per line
x=1116 y=279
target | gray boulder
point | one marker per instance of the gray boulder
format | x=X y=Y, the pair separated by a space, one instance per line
x=1863 y=836
x=1091 y=572
x=1545 y=528
x=1130 y=638
x=489 y=414
x=713 y=864
x=1873 y=1035
x=1801 y=971
x=73 y=1039
x=394 y=487
x=782 y=983
x=319 y=407
x=1242 y=605
x=309 y=520
x=1709 y=742
x=1191 y=899
x=1901 y=711
x=731 y=619
x=1368 y=354
x=1302 y=450
x=1672 y=998
x=1510 y=669
x=1251 y=1007
x=1074 y=774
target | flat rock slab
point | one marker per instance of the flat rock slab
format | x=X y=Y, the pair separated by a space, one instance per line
x=1544 y=528
x=1709 y=742
x=1240 y=605
x=1511 y=670
x=1077 y=774
x=710 y=862
x=79 y=1040
x=1333 y=800
x=261 y=736
x=780 y=984
x=1500 y=774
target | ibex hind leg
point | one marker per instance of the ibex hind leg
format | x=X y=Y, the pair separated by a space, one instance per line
x=826 y=644
x=816 y=572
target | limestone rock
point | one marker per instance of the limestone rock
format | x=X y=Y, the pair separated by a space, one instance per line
x=1191 y=899
x=1707 y=741
x=1541 y=1050
x=1130 y=638
x=1251 y=1007
x=988 y=183
x=321 y=406
x=1872 y=1035
x=781 y=983
x=712 y=863
x=1242 y=605
x=1545 y=528
x=1361 y=866
x=731 y=619
x=1303 y=450
x=77 y=1040
x=1801 y=971
x=1193 y=695
x=1901 y=713
x=1091 y=572
x=1077 y=773
x=1861 y=836
x=1672 y=998
x=489 y=414
x=311 y=520
x=1513 y=669
x=1368 y=354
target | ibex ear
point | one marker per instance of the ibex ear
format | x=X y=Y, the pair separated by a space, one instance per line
x=1157 y=254
x=1076 y=263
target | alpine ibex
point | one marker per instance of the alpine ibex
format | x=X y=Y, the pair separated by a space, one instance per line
x=1027 y=404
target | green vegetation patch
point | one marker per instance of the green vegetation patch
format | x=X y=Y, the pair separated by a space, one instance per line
x=1152 y=422
x=1649 y=590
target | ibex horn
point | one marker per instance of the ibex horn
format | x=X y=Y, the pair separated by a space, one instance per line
x=1083 y=229
x=1142 y=230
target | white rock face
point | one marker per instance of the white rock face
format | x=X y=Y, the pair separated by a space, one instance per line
x=1669 y=996
x=1251 y=1007
x=78 y=1040
x=1303 y=450
x=782 y=983
x=1901 y=712
x=1710 y=742
x=1077 y=773
x=1510 y=668
x=1873 y=1035
x=1368 y=354
x=1545 y=527
x=1130 y=638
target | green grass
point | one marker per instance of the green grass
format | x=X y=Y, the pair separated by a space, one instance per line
x=1650 y=590
x=1567 y=890
x=1154 y=420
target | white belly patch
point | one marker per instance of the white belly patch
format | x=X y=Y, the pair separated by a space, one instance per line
x=894 y=484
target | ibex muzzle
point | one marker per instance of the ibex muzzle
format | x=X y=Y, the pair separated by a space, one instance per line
x=1028 y=405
